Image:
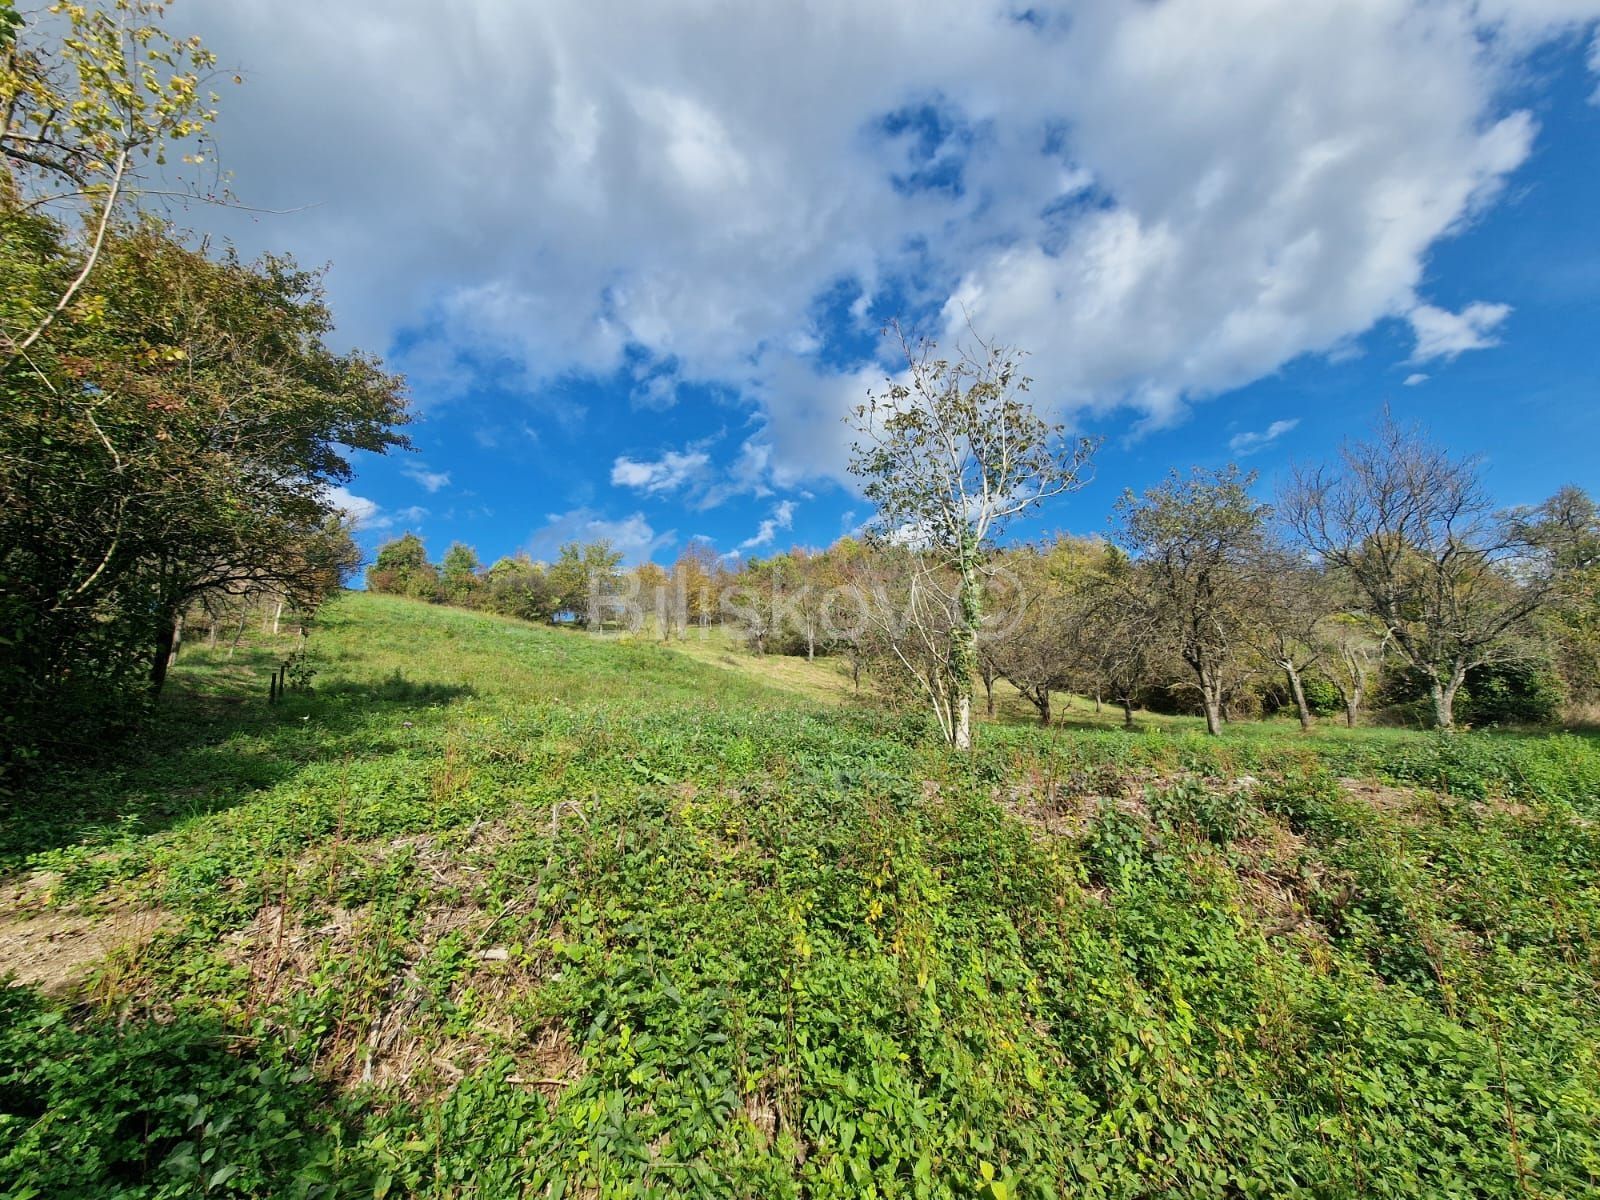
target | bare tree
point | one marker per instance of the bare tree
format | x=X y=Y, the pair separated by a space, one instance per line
x=1355 y=647
x=913 y=610
x=1293 y=602
x=1452 y=581
x=1198 y=539
x=950 y=452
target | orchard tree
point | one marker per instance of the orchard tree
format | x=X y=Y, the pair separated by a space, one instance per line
x=949 y=452
x=1294 y=602
x=1454 y=583
x=1200 y=539
x=1035 y=644
x=1354 y=647
x=1121 y=634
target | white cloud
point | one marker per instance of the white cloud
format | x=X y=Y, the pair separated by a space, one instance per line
x=363 y=513
x=1444 y=334
x=782 y=518
x=632 y=536
x=1244 y=444
x=672 y=471
x=1414 y=379
x=431 y=480
x=1161 y=201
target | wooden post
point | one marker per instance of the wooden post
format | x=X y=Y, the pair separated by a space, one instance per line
x=272 y=688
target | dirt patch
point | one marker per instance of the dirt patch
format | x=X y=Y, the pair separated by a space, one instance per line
x=1065 y=805
x=57 y=949
x=1405 y=804
x=1276 y=872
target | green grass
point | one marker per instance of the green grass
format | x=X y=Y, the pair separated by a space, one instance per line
x=498 y=910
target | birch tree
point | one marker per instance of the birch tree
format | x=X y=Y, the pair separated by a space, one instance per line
x=949 y=452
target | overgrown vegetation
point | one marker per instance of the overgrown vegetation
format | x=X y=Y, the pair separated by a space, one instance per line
x=498 y=910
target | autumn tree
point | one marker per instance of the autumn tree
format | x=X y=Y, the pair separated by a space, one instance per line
x=89 y=98
x=695 y=585
x=1453 y=581
x=402 y=568
x=172 y=418
x=1199 y=538
x=949 y=452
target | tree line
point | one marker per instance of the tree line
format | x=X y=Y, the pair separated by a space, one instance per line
x=1387 y=574
x=172 y=417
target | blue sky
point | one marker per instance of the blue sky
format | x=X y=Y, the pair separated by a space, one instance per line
x=635 y=269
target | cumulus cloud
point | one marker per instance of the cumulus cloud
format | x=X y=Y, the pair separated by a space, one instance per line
x=1244 y=444
x=631 y=536
x=1160 y=201
x=782 y=518
x=1444 y=334
x=430 y=480
x=672 y=471
x=363 y=513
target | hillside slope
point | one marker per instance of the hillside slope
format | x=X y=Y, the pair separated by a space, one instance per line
x=496 y=910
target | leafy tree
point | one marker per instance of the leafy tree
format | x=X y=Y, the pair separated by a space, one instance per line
x=1568 y=524
x=516 y=587
x=402 y=568
x=949 y=452
x=1200 y=539
x=582 y=576
x=458 y=573
x=176 y=434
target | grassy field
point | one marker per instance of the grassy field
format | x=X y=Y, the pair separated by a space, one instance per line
x=495 y=910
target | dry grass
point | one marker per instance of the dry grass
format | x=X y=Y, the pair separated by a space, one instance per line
x=58 y=949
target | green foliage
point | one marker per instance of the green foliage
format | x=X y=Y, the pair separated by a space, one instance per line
x=1322 y=697
x=175 y=435
x=458 y=573
x=1515 y=693
x=402 y=569
x=650 y=928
